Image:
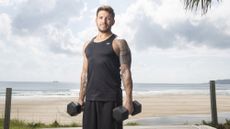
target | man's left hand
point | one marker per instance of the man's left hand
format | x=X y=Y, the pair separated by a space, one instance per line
x=129 y=106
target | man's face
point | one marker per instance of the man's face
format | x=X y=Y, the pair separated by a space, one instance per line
x=104 y=21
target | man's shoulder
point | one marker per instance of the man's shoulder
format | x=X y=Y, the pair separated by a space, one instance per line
x=119 y=40
x=86 y=43
x=89 y=40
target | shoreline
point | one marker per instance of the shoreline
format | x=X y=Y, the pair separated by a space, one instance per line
x=158 y=108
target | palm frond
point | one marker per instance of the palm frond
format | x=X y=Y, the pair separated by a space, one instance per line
x=194 y=4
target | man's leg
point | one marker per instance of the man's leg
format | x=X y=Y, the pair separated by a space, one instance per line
x=106 y=116
x=99 y=115
x=89 y=116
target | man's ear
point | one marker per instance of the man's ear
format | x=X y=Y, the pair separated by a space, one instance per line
x=113 y=22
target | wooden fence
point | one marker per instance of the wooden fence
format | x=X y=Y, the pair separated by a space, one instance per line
x=214 y=117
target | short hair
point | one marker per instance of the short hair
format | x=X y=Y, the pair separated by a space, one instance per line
x=106 y=8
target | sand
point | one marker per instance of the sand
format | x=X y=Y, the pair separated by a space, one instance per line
x=49 y=109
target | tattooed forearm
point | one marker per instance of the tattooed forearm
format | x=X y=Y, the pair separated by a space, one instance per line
x=83 y=86
x=127 y=81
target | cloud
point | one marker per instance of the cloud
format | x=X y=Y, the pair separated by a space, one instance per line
x=5 y=26
x=203 y=33
x=149 y=34
x=35 y=14
x=42 y=40
x=61 y=40
x=161 y=32
x=45 y=26
x=4 y=1
x=166 y=24
x=147 y=23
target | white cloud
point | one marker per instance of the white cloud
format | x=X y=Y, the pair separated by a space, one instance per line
x=43 y=40
x=103 y=2
x=37 y=13
x=5 y=26
x=62 y=40
x=4 y=1
x=160 y=24
x=47 y=22
x=219 y=16
x=192 y=64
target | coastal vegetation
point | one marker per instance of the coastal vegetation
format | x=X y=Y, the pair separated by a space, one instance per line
x=225 y=125
x=19 y=124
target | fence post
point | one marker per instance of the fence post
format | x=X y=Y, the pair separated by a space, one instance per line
x=213 y=103
x=7 y=108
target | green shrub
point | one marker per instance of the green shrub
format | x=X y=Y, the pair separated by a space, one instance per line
x=132 y=124
x=19 y=124
x=226 y=125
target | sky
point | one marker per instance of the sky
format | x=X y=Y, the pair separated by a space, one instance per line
x=42 y=40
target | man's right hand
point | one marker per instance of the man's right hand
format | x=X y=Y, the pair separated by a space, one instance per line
x=80 y=102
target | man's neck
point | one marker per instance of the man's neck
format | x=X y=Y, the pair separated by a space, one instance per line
x=103 y=36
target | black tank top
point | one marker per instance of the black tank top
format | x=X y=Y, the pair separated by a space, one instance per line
x=104 y=82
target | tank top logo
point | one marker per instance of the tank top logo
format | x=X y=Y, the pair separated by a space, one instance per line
x=108 y=43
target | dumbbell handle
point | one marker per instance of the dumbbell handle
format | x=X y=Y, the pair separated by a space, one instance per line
x=121 y=113
x=137 y=108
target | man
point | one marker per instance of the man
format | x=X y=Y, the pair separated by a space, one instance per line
x=107 y=61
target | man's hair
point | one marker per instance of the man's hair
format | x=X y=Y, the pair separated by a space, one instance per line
x=106 y=8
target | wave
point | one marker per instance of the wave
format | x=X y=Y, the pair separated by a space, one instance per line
x=35 y=93
x=75 y=92
x=181 y=92
x=72 y=89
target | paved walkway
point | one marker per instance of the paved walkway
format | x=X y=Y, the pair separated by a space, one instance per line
x=159 y=127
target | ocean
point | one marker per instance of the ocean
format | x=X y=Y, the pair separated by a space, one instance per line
x=62 y=89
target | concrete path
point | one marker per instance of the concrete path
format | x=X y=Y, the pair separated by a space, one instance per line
x=159 y=127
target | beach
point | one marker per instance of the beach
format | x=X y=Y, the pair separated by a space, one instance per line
x=48 y=109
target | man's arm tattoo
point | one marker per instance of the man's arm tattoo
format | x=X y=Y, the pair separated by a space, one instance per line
x=83 y=85
x=127 y=81
x=125 y=62
x=125 y=54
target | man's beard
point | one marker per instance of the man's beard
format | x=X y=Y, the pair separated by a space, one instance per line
x=105 y=30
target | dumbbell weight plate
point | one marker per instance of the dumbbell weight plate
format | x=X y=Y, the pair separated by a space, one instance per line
x=120 y=113
x=73 y=109
x=137 y=108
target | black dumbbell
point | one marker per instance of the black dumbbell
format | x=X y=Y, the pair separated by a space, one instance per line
x=74 y=109
x=121 y=113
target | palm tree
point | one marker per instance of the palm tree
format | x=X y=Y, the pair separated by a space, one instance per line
x=194 y=4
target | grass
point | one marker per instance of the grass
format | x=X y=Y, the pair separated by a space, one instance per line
x=225 y=125
x=15 y=124
x=18 y=124
x=131 y=124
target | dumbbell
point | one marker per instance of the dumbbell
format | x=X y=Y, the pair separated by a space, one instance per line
x=121 y=113
x=74 y=109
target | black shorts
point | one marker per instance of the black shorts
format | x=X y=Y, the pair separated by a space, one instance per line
x=98 y=115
